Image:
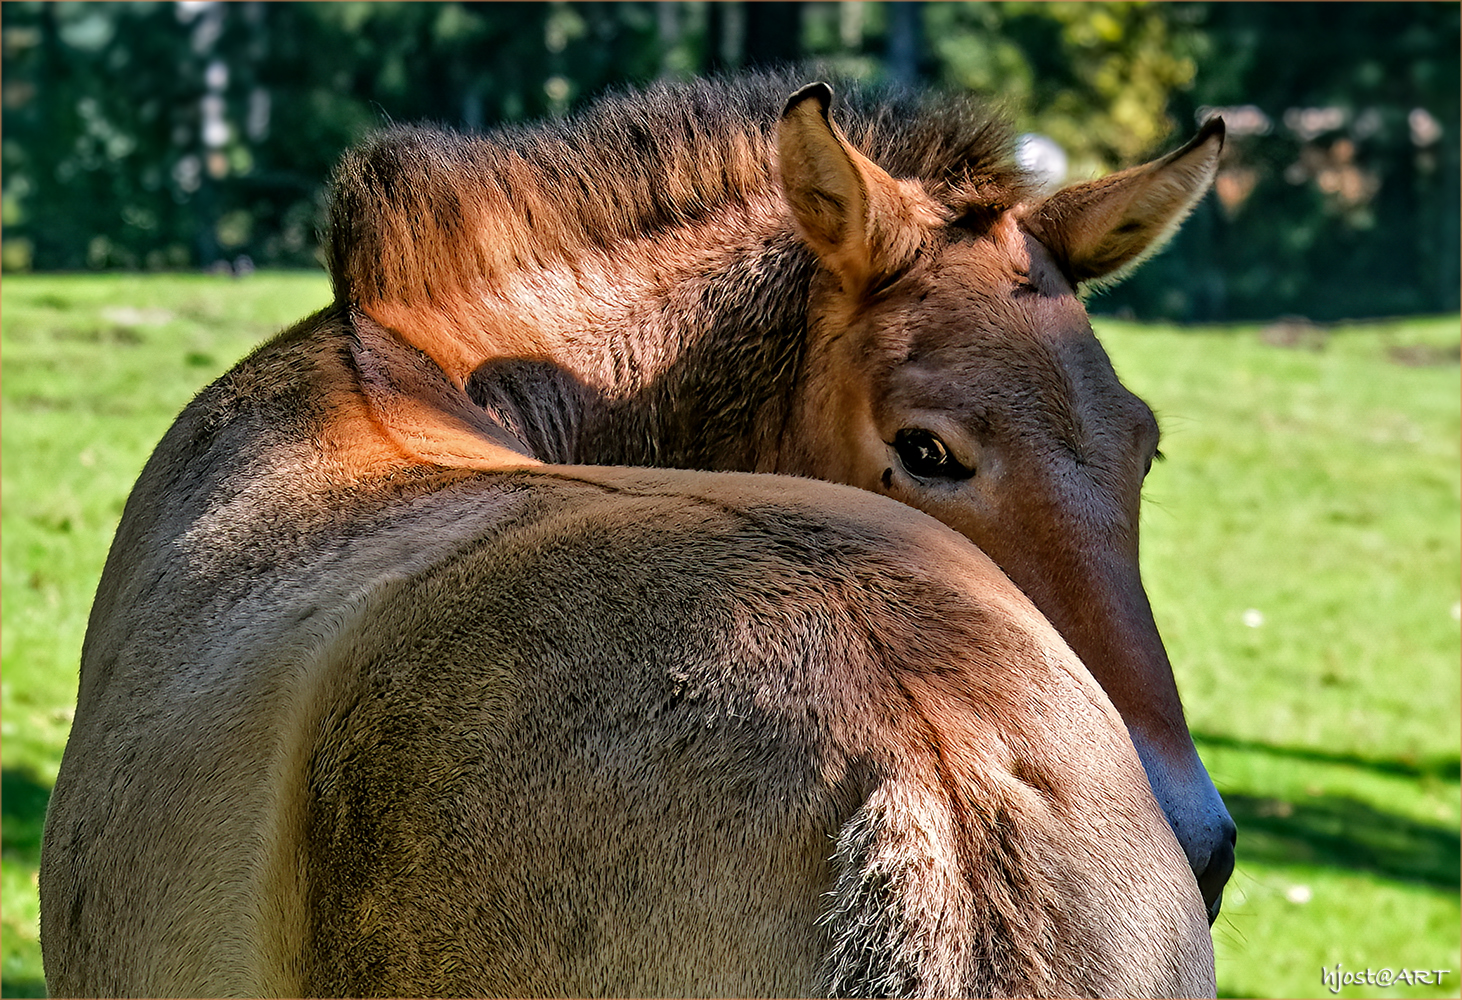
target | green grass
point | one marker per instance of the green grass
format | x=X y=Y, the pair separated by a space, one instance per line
x=1314 y=491
x=1316 y=488
x=95 y=369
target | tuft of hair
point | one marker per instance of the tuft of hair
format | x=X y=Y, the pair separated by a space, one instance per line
x=931 y=901
x=422 y=215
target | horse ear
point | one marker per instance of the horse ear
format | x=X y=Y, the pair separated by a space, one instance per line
x=1102 y=229
x=856 y=217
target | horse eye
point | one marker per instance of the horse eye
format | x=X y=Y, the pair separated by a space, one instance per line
x=925 y=456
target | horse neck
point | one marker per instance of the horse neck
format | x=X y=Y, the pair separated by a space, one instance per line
x=680 y=353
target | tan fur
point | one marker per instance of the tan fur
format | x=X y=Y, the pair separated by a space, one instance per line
x=409 y=675
x=862 y=223
x=1103 y=229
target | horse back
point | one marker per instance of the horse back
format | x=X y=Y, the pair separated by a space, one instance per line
x=578 y=731
x=703 y=738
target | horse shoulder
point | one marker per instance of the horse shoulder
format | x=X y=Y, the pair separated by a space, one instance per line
x=323 y=413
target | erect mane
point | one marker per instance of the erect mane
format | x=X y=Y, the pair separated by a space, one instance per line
x=420 y=215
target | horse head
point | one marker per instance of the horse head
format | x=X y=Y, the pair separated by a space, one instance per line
x=951 y=365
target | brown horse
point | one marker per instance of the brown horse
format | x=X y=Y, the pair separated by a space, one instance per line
x=447 y=645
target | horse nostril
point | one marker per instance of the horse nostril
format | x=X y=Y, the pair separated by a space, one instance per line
x=1216 y=874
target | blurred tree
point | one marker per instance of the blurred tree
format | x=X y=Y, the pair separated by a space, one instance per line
x=168 y=135
x=101 y=113
x=1338 y=195
x=1096 y=77
x=906 y=62
x=150 y=135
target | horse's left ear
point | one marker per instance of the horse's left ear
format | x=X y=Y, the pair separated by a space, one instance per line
x=857 y=218
x=1102 y=229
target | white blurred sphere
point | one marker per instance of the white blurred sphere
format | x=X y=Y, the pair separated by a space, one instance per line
x=1042 y=158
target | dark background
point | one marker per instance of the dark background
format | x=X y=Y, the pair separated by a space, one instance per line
x=172 y=136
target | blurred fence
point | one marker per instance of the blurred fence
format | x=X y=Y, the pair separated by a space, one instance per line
x=200 y=134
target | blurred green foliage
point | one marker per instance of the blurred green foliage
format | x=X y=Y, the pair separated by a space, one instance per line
x=185 y=135
x=1339 y=197
x=1094 y=77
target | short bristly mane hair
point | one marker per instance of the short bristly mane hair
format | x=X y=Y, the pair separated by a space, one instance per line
x=421 y=214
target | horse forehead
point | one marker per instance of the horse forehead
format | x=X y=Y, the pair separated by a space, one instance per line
x=974 y=336
x=994 y=306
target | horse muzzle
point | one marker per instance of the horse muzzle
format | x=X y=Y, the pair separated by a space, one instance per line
x=1199 y=819
x=1214 y=875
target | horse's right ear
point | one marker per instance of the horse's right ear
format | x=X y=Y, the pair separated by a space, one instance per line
x=1102 y=229
x=857 y=218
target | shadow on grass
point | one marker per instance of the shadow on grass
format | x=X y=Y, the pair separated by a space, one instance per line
x=1343 y=832
x=23 y=800
x=1442 y=767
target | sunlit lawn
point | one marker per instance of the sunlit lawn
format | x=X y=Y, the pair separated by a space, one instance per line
x=95 y=369
x=1300 y=547
x=1301 y=552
